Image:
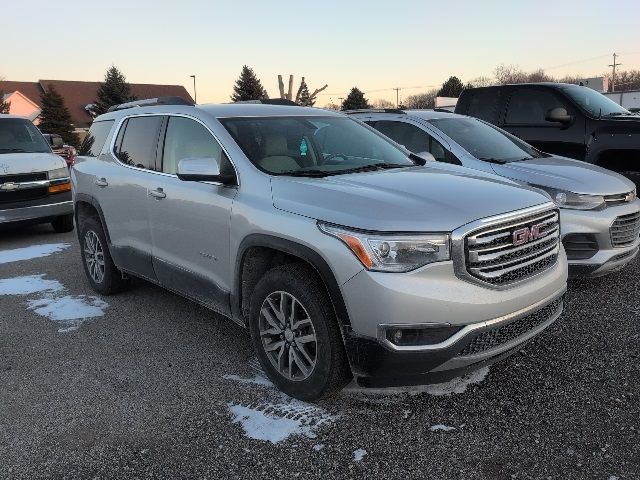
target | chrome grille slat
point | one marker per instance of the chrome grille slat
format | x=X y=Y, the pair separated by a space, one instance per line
x=625 y=230
x=491 y=259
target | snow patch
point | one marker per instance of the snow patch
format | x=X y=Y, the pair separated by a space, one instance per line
x=359 y=454
x=318 y=447
x=28 y=284
x=275 y=422
x=256 y=380
x=70 y=311
x=31 y=252
x=456 y=385
x=444 y=428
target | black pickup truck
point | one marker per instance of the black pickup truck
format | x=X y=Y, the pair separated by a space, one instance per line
x=563 y=119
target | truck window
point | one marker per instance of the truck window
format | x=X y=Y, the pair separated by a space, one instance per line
x=484 y=105
x=139 y=142
x=530 y=106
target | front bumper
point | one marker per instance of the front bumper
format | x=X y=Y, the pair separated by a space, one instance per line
x=37 y=211
x=597 y=223
x=476 y=345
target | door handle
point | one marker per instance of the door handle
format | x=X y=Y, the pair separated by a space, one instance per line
x=101 y=182
x=158 y=194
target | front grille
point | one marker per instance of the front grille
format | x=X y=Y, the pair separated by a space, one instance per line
x=23 y=195
x=514 y=250
x=505 y=333
x=625 y=230
x=580 y=246
x=23 y=177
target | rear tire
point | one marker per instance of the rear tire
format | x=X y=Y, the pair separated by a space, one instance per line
x=296 y=334
x=103 y=275
x=63 y=224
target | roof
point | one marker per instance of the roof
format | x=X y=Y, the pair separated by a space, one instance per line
x=424 y=114
x=31 y=90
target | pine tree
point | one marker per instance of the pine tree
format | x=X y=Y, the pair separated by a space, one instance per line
x=248 y=87
x=4 y=106
x=55 y=117
x=355 y=100
x=113 y=91
x=304 y=97
x=451 y=88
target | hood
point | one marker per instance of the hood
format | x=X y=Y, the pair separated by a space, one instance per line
x=415 y=199
x=15 y=163
x=566 y=174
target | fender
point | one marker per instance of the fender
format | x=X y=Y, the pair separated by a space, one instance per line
x=305 y=253
x=621 y=135
x=83 y=197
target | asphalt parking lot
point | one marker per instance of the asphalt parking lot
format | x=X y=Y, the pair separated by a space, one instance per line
x=150 y=385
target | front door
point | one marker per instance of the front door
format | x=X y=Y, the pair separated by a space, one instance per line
x=525 y=118
x=190 y=221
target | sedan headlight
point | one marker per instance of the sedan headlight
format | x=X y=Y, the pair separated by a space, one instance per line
x=58 y=173
x=576 y=201
x=382 y=252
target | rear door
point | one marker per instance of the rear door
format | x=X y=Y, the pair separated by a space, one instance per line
x=122 y=183
x=190 y=221
x=527 y=108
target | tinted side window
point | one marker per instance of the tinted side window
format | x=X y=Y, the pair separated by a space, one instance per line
x=413 y=138
x=530 y=106
x=139 y=142
x=95 y=139
x=484 y=105
x=186 y=138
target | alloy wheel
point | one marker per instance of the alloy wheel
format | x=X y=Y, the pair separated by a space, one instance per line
x=94 y=256
x=288 y=336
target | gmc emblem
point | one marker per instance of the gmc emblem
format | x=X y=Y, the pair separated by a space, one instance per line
x=528 y=234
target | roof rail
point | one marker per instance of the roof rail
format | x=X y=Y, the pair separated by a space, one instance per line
x=271 y=101
x=375 y=110
x=443 y=110
x=150 y=102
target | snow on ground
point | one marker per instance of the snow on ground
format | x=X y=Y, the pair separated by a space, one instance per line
x=275 y=422
x=31 y=252
x=28 y=285
x=255 y=380
x=444 y=428
x=359 y=454
x=69 y=311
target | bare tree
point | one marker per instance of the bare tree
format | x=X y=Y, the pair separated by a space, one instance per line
x=383 y=103
x=627 y=80
x=288 y=95
x=422 y=100
x=481 y=81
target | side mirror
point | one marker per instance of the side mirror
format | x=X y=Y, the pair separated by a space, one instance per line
x=56 y=141
x=559 y=115
x=202 y=169
x=426 y=156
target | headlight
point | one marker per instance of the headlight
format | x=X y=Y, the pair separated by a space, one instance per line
x=393 y=252
x=576 y=201
x=58 y=173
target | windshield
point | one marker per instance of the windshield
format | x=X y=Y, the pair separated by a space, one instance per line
x=18 y=135
x=484 y=141
x=593 y=102
x=313 y=146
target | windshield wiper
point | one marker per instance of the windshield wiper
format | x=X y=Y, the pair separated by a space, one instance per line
x=371 y=167
x=305 y=173
x=12 y=150
x=493 y=160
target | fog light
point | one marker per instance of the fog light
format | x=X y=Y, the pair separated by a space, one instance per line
x=427 y=335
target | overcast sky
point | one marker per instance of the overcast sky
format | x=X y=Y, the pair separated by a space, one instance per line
x=375 y=45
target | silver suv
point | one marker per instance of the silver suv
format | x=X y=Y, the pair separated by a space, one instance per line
x=34 y=182
x=339 y=254
x=599 y=209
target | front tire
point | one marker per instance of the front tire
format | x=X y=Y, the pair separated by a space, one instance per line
x=103 y=275
x=296 y=334
x=63 y=224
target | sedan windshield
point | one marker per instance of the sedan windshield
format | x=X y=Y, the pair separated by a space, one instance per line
x=313 y=146
x=18 y=135
x=593 y=102
x=485 y=141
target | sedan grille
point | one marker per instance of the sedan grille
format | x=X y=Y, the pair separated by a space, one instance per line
x=625 y=230
x=515 y=250
x=505 y=333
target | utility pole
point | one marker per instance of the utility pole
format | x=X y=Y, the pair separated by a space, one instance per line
x=613 y=75
x=397 y=96
x=195 y=95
